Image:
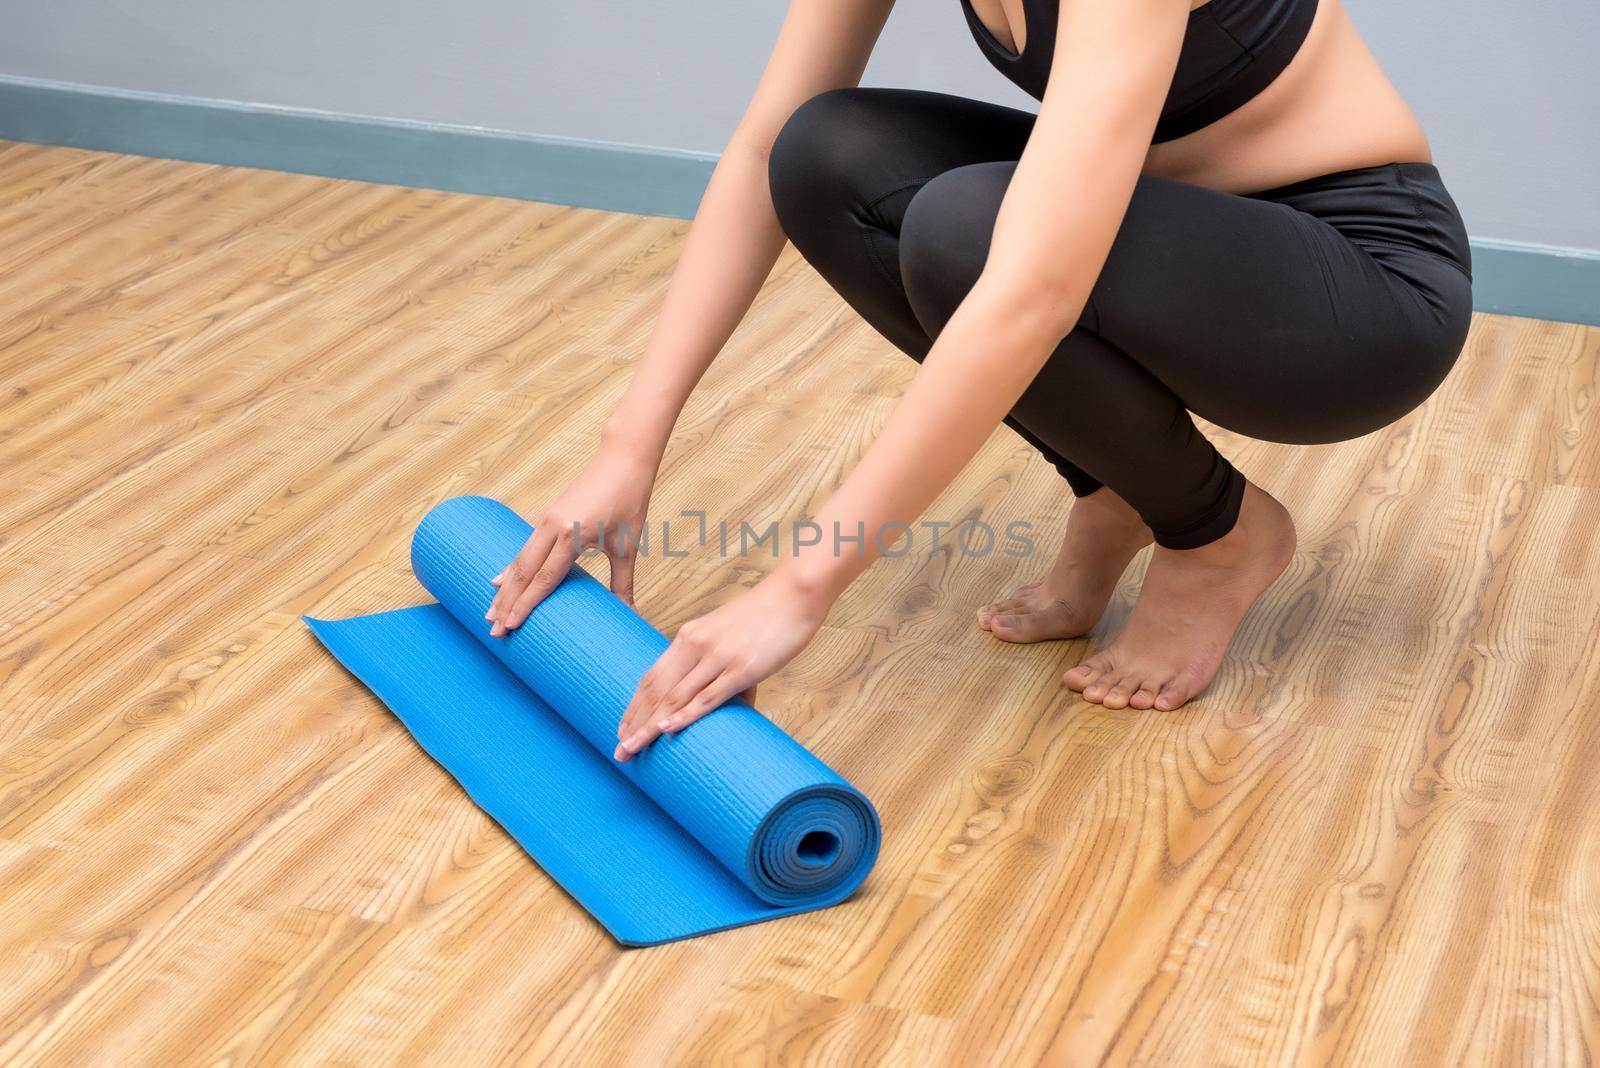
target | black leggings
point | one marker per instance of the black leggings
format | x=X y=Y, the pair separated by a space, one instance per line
x=1312 y=313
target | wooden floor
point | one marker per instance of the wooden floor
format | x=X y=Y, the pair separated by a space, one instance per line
x=226 y=397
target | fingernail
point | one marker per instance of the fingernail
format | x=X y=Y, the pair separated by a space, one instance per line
x=666 y=724
x=489 y=615
x=497 y=630
x=620 y=754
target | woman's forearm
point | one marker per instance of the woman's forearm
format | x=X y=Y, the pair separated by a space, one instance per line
x=732 y=244
x=980 y=364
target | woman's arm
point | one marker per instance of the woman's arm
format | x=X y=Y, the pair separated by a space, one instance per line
x=733 y=242
x=735 y=237
x=1112 y=67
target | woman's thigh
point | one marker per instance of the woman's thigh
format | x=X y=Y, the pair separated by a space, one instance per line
x=858 y=149
x=847 y=163
x=1270 y=321
x=1258 y=317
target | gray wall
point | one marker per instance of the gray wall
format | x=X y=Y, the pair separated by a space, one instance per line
x=1508 y=90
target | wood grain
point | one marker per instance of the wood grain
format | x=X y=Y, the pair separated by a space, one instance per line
x=226 y=397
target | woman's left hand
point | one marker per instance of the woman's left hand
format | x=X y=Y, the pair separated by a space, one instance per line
x=720 y=654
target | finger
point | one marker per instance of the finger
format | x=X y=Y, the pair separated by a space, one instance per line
x=671 y=666
x=749 y=696
x=712 y=697
x=622 y=575
x=515 y=574
x=638 y=727
x=701 y=675
x=521 y=569
x=645 y=695
x=630 y=746
x=546 y=578
x=498 y=579
x=701 y=700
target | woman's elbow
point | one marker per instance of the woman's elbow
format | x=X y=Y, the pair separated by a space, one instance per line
x=1033 y=301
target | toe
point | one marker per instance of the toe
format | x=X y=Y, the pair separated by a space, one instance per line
x=987 y=613
x=1143 y=698
x=1116 y=697
x=1079 y=677
x=1183 y=687
x=1095 y=670
x=1173 y=695
x=1007 y=626
x=1005 y=605
x=1028 y=626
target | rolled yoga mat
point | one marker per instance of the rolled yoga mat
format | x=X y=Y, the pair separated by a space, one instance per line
x=728 y=822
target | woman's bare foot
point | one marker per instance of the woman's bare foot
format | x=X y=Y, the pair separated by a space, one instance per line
x=1192 y=602
x=1103 y=534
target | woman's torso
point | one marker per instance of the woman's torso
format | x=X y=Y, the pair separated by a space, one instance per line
x=1325 y=106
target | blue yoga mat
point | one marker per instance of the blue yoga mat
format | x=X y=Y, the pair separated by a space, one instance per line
x=726 y=823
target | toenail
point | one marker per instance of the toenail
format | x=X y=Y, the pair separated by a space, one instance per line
x=1006 y=621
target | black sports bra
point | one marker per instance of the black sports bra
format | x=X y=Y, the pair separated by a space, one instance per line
x=1232 y=50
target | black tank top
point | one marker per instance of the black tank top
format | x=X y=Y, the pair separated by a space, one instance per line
x=1232 y=50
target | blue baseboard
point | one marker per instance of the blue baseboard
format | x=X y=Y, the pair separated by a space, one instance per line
x=459 y=159
x=1537 y=281
x=1509 y=278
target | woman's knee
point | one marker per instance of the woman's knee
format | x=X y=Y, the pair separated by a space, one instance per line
x=815 y=161
x=944 y=238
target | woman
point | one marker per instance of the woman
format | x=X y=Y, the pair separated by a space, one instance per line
x=1222 y=207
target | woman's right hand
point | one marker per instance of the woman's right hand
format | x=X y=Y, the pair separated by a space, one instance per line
x=604 y=506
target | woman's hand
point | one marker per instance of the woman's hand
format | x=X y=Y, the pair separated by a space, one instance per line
x=720 y=654
x=604 y=506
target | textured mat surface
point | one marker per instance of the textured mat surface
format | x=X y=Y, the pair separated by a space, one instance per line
x=729 y=822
